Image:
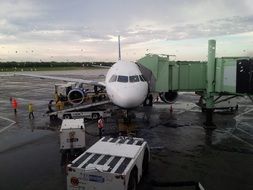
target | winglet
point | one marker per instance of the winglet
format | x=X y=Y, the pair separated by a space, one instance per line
x=119 y=47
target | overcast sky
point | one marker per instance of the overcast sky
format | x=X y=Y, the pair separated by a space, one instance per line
x=86 y=30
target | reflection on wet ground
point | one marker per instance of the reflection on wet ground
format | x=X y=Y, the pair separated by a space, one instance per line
x=182 y=150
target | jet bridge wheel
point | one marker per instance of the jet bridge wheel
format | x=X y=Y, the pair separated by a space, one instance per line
x=203 y=109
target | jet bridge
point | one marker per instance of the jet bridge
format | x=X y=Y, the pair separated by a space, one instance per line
x=216 y=77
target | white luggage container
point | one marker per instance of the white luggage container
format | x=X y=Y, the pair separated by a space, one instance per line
x=111 y=163
x=72 y=134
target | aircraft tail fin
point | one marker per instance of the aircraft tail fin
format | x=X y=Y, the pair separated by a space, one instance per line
x=119 y=47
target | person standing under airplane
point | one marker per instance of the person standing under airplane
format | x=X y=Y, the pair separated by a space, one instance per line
x=101 y=125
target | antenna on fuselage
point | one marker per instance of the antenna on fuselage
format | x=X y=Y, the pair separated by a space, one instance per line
x=119 y=47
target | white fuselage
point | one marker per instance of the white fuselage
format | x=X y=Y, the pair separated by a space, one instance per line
x=125 y=85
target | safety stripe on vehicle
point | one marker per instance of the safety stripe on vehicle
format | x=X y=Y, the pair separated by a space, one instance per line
x=114 y=140
x=79 y=161
x=123 y=166
x=122 y=141
x=139 y=143
x=106 y=139
x=118 y=164
x=130 y=141
x=91 y=160
x=113 y=163
x=104 y=160
x=99 y=159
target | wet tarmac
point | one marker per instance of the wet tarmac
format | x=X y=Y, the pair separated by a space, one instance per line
x=181 y=149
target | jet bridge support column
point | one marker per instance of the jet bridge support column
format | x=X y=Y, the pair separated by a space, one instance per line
x=210 y=84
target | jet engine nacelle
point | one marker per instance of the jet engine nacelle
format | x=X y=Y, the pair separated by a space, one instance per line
x=168 y=97
x=76 y=96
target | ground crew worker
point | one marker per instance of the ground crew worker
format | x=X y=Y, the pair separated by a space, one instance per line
x=14 y=105
x=56 y=97
x=30 y=110
x=100 y=126
x=59 y=105
x=61 y=97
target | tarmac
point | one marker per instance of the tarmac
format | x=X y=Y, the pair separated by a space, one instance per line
x=181 y=149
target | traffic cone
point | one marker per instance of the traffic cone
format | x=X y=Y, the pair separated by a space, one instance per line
x=171 y=109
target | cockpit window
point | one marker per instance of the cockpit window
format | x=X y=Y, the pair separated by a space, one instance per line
x=122 y=78
x=142 y=78
x=134 y=78
x=113 y=78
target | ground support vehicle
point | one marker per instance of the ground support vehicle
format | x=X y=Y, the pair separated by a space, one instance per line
x=86 y=111
x=72 y=135
x=111 y=163
x=86 y=114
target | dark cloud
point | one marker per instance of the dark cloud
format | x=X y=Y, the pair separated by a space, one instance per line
x=211 y=28
x=98 y=22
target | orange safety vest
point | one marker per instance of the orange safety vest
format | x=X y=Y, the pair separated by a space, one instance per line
x=100 y=123
x=14 y=104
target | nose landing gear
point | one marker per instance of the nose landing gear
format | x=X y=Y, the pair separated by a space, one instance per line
x=126 y=125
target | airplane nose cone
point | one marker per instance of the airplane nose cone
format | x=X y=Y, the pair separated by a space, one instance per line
x=130 y=100
x=130 y=97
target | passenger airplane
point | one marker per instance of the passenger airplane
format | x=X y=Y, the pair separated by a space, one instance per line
x=124 y=83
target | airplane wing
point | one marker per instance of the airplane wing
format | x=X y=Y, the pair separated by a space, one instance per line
x=6 y=75
x=101 y=66
x=65 y=79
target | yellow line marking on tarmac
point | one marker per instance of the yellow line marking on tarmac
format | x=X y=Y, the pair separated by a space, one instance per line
x=7 y=127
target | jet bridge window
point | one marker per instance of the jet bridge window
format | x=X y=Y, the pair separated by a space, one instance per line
x=122 y=78
x=113 y=78
x=134 y=78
